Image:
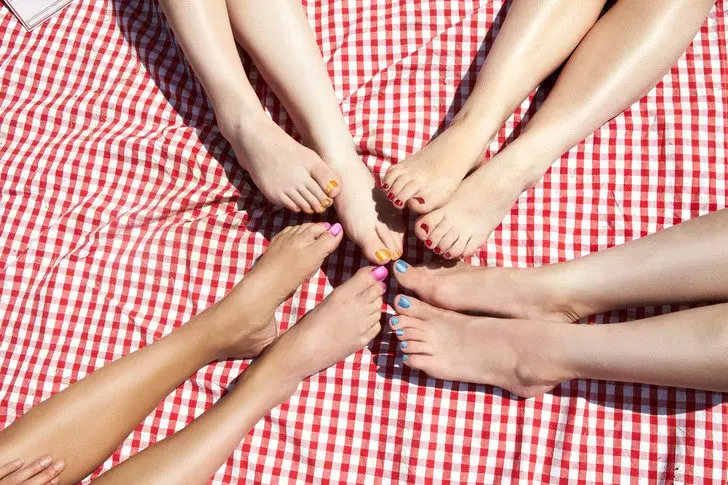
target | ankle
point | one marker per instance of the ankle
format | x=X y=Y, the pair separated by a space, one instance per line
x=240 y=124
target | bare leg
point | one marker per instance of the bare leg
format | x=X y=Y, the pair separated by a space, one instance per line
x=287 y=173
x=535 y=39
x=530 y=357
x=626 y=52
x=686 y=263
x=85 y=423
x=325 y=336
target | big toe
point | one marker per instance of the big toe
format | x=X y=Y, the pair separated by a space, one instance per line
x=428 y=200
x=425 y=225
x=374 y=249
x=327 y=237
x=412 y=277
x=326 y=178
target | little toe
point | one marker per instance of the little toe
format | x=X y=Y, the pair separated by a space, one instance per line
x=427 y=223
x=327 y=179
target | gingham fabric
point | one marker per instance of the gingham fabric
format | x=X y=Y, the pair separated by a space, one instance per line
x=123 y=214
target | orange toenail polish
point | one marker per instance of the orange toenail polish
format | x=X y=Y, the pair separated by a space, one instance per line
x=425 y=227
x=390 y=196
x=331 y=186
x=383 y=255
x=420 y=200
x=327 y=202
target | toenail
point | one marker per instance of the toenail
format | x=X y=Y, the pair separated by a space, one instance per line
x=379 y=273
x=405 y=357
x=327 y=202
x=399 y=332
x=327 y=226
x=385 y=186
x=420 y=200
x=401 y=266
x=335 y=229
x=383 y=255
x=331 y=186
x=390 y=196
x=447 y=255
x=404 y=302
x=425 y=227
x=398 y=203
x=384 y=286
x=428 y=243
x=403 y=345
x=394 y=320
x=437 y=250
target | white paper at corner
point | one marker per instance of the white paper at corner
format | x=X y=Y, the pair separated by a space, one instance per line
x=32 y=13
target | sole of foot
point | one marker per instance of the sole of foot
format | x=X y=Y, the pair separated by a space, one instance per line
x=286 y=172
x=427 y=180
x=245 y=322
x=503 y=292
x=520 y=356
x=345 y=322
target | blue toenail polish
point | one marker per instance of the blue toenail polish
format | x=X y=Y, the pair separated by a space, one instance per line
x=399 y=332
x=394 y=320
x=405 y=357
x=403 y=345
x=404 y=302
x=401 y=266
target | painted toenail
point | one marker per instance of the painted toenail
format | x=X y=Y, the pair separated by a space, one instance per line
x=425 y=227
x=390 y=196
x=384 y=286
x=428 y=243
x=401 y=266
x=405 y=357
x=404 y=302
x=447 y=255
x=327 y=202
x=383 y=255
x=398 y=203
x=327 y=226
x=394 y=320
x=420 y=200
x=331 y=186
x=335 y=229
x=403 y=345
x=399 y=332
x=379 y=273
x=438 y=250
x=385 y=186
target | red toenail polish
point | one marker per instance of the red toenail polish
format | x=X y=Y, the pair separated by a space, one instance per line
x=447 y=255
x=385 y=186
x=425 y=227
x=438 y=250
x=420 y=200
x=398 y=203
x=390 y=196
x=428 y=243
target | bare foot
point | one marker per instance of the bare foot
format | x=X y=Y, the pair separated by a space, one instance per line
x=366 y=216
x=286 y=172
x=521 y=356
x=346 y=321
x=245 y=315
x=463 y=225
x=504 y=292
x=428 y=179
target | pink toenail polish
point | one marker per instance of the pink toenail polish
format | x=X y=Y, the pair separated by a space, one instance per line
x=438 y=250
x=398 y=203
x=384 y=286
x=390 y=196
x=327 y=226
x=335 y=229
x=428 y=243
x=420 y=200
x=425 y=227
x=379 y=273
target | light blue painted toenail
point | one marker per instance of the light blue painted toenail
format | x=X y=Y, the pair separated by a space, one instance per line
x=401 y=266
x=405 y=357
x=403 y=345
x=399 y=332
x=404 y=302
x=394 y=320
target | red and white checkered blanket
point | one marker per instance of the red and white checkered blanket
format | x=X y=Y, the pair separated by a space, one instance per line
x=123 y=214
